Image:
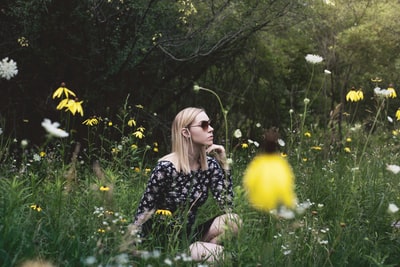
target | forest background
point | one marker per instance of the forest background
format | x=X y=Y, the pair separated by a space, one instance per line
x=151 y=53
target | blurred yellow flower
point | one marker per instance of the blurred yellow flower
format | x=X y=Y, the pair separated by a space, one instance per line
x=398 y=114
x=392 y=92
x=42 y=154
x=91 y=121
x=269 y=182
x=104 y=188
x=100 y=230
x=354 y=96
x=137 y=169
x=164 y=212
x=131 y=123
x=36 y=207
x=138 y=134
x=139 y=106
x=134 y=146
x=307 y=134
x=245 y=145
x=347 y=149
x=63 y=90
x=316 y=148
x=71 y=105
x=110 y=124
x=305 y=159
x=141 y=128
x=155 y=149
x=360 y=94
x=348 y=139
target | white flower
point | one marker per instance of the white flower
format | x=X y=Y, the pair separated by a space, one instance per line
x=281 y=142
x=24 y=143
x=381 y=92
x=393 y=168
x=36 y=157
x=327 y=72
x=168 y=262
x=90 y=260
x=390 y=119
x=237 y=134
x=313 y=59
x=53 y=130
x=291 y=111
x=258 y=125
x=393 y=208
x=306 y=101
x=8 y=68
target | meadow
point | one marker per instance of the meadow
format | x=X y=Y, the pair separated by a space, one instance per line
x=67 y=204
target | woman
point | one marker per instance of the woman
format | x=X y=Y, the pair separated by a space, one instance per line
x=180 y=182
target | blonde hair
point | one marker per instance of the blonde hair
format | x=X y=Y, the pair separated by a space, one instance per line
x=181 y=144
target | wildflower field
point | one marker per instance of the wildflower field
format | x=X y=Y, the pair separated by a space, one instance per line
x=66 y=205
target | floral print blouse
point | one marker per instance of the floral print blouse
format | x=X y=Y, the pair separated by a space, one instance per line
x=168 y=189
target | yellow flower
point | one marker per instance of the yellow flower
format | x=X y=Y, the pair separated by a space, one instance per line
x=283 y=155
x=269 y=182
x=63 y=104
x=360 y=94
x=139 y=106
x=36 y=207
x=305 y=159
x=354 y=96
x=138 y=134
x=63 y=90
x=316 y=148
x=307 y=134
x=155 y=149
x=392 y=93
x=110 y=124
x=114 y=150
x=347 y=149
x=245 y=145
x=131 y=123
x=100 y=230
x=134 y=146
x=42 y=154
x=376 y=80
x=398 y=114
x=104 y=188
x=141 y=128
x=91 y=121
x=147 y=170
x=348 y=139
x=75 y=107
x=164 y=212
x=137 y=169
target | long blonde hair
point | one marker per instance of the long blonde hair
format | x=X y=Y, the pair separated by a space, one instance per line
x=181 y=144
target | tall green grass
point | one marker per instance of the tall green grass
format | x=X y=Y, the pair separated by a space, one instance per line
x=76 y=213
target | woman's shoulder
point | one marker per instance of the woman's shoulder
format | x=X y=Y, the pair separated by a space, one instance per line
x=212 y=162
x=167 y=161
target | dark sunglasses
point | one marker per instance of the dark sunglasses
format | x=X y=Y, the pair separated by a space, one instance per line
x=203 y=124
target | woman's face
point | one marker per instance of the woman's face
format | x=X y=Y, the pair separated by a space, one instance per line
x=201 y=130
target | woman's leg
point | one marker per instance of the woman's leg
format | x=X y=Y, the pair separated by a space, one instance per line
x=227 y=222
x=200 y=251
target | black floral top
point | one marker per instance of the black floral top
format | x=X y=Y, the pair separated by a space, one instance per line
x=179 y=193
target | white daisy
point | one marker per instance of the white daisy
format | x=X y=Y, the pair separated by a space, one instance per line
x=8 y=68
x=53 y=130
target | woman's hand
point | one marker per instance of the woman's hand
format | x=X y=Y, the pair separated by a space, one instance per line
x=218 y=151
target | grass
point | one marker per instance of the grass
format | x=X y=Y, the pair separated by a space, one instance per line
x=75 y=213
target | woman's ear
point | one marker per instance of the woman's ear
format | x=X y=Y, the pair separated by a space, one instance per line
x=185 y=132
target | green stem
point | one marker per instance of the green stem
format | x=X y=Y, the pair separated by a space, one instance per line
x=372 y=128
x=224 y=113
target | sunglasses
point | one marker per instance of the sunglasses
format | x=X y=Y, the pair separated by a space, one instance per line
x=203 y=124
